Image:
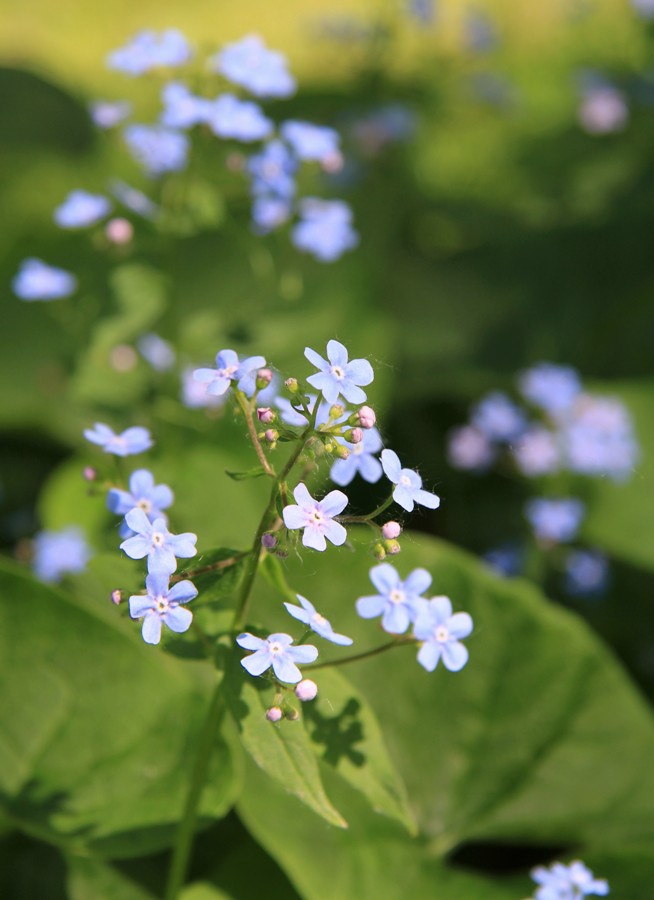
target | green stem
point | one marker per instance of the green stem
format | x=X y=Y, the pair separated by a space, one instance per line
x=254 y=437
x=214 y=567
x=186 y=828
x=400 y=642
x=368 y=516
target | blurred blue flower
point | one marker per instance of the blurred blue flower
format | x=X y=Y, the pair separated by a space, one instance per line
x=362 y=459
x=182 y=109
x=37 y=280
x=644 y=8
x=498 y=417
x=250 y=64
x=507 y=559
x=480 y=31
x=551 y=387
x=59 y=552
x=308 y=614
x=409 y=488
x=586 y=573
x=269 y=213
x=603 y=107
x=338 y=375
x=143 y=494
x=195 y=395
x=385 y=125
x=109 y=113
x=131 y=441
x=276 y=651
x=241 y=120
x=161 y=604
x=555 y=521
x=537 y=452
x=397 y=600
x=441 y=632
x=156 y=148
x=151 y=50
x=469 y=449
x=310 y=142
x=325 y=229
x=156 y=351
x=316 y=517
x=272 y=171
x=229 y=369
x=81 y=209
x=598 y=439
x=572 y=882
x=152 y=539
x=423 y=11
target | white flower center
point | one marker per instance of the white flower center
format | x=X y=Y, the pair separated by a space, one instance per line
x=337 y=372
x=162 y=604
x=319 y=620
x=145 y=505
x=404 y=480
x=442 y=634
x=227 y=372
x=397 y=596
x=157 y=539
x=316 y=517
x=274 y=647
x=357 y=449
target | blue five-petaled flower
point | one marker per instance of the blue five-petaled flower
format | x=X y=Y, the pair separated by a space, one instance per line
x=308 y=614
x=397 y=600
x=276 y=651
x=143 y=494
x=131 y=441
x=316 y=517
x=162 y=604
x=441 y=633
x=152 y=539
x=229 y=370
x=338 y=376
x=409 y=488
x=362 y=459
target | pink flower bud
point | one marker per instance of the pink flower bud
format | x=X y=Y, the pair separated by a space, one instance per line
x=341 y=452
x=366 y=417
x=89 y=473
x=391 y=530
x=306 y=690
x=116 y=596
x=119 y=231
x=264 y=377
x=268 y=541
x=266 y=415
x=274 y=714
x=271 y=435
x=392 y=547
x=355 y=436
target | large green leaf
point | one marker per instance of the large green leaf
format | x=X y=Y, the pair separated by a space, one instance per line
x=100 y=727
x=93 y=879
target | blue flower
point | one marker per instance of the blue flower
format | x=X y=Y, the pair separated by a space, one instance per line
x=59 y=552
x=308 y=614
x=150 y=50
x=81 y=209
x=250 y=64
x=507 y=559
x=397 y=600
x=242 y=120
x=316 y=518
x=133 y=199
x=194 y=394
x=338 y=376
x=441 y=632
x=229 y=370
x=644 y=8
x=498 y=417
x=537 y=452
x=156 y=148
x=37 y=280
x=312 y=142
x=325 y=229
x=162 y=604
x=423 y=11
x=599 y=439
x=152 y=539
x=555 y=521
x=269 y=213
x=272 y=171
x=481 y=34
x=572 y=882
x=361 y=460
x=586 y=573
x=108 y=114
x=469 y=449
x=143 y=494
x=182 y=109
x=552 y=388
x=276 y=651
x=409 y=484
x=156 y=351
x=130 y=442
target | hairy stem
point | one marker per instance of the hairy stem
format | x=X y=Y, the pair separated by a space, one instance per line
x=399 y=642
x=254 y=437
x=214 y=567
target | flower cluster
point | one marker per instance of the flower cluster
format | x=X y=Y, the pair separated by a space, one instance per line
x=561 y=882
x=58 y=552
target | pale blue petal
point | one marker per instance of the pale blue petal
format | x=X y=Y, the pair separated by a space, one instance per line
x=286 y=670
x=351 y=392
x=257 y=662
x=370 y=607
x=369 y=467
x=205 y=376
x=136 y=547
x=162 y=496
x=160 y=560
x=459 y=625
x=298 y=613
x=178 y=619
x=119 y=502
x=182 y=592
x=314 y=538
x=280 y=637
x=139 y=605
x=333 y=504
x=403 y=496
x=302 y=496
x=360 y=371
x=455 y=655
x=183 y=545
x=137 y=520
x=396 y=618
x=250 y=642
x=372 y=441
x=391 y=464
x=157 y=584
x=440 y=610
x=428 y=655
x=385 y=578
x=306 y=604
x=326 y=384
x=316 y=359
x=344 y=470
x=334 y=532
x=226 y=358
x=337 y=354
x=305 y=653
x=247 y=365
x=424 y=498
x=294 y=517
x=415 y=481
x=151 y=630
x=335 y=638
x=417 y=582
x=141 y=483
x=218 y=387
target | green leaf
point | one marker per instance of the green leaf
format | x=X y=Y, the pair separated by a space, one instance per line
x=100 y=727
x=283 y=751
x=92 y=879
x=203 y=890
x=273 y=572
x=256 y=472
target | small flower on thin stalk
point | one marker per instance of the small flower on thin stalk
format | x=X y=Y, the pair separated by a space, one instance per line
x=316 y=518
x=276 y=650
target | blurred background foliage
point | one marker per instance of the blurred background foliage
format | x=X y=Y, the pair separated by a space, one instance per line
x=499 y=234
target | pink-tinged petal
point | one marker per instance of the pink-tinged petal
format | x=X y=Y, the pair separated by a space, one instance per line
x=294 y=517
x=314 y=538
x=139 y=605
x=257 y=663
x=385 y=578
x=440 y=609
x=455 y=655
x=182 y=592
x=370 y=607
x=425 y=498
x=418 y=581
x=459 y=625
x=333 y=504
x=136 y=547
x=352 y=393
x=286 y=670
x=137 y=520
x=334 y=532
x=316 y=359
x=428 y=656
x=396 y=619
x=403 y=496
x=178 y=619
x=360 y=371
x=337 y=354
x=205 y=376
x=251 y=642
x=391 y=464
x=151 y=630
x=302 y=496
x=305 y=653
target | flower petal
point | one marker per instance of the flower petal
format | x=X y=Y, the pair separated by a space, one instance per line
x=417 y=582
x=141 y=483
x=396 y=618
x=403 y=496
x=334 y=503
x=440 y=610
x=178 y=619
x=316 y=359
x=294 y=517
x=428 y=655
x=183 y=545
x=257 y=662
x=151 y=630
x=337 y=353
x=351 y=392
x=305 y=653
x=302 y=496
x=139 y=605
x=460 y=625
x=251 y=642
x=182 y=592
x=119 y=502
x=343 y=470
x=391 y=464
x=136 y=547
x=205 y=376
x=385 y=578
x=360 y=371
x=137 y=520
x=455 y=655
x=326 y=384
x=425 y=498
x=370 y=607
x=314 y=538
x=369 y=468
x=285 y=669
x=334 y=532
x=298 y=613
x=157 y=584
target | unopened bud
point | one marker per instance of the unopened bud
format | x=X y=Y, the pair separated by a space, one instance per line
x=365 y=417
x=281 y=553
x=306 y=690
x=332 y=163
x=291 y=385
x=266 y=415
x=354 y=435
x=391 y=530
x=292 y=715
x=392 y=547
x=274 y=714
x=336 y=411
x=89 y=473
x=268 y=540
x=116 y=597
x=270 y=435
x=341 y=452
x=379 y=552
x=264 y=377
x=119 y=231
